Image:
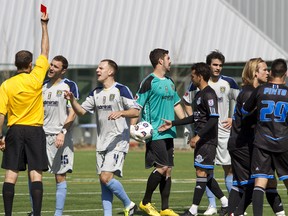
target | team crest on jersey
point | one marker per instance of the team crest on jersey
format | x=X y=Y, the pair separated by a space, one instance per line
x=111 y=97
x=222 y=89
x=198 y=101
x=49 y=95
x=59 y=93
x=199 y=159
x=166 y=89
x=104 y=100
x=211 y=102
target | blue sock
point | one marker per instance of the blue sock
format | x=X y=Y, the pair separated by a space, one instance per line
x=211 y=198
x=61 y=191
x=107 y=199
x=229 y=182
x=116 y=187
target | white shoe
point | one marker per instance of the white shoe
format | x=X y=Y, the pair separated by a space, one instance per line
x=210 y=211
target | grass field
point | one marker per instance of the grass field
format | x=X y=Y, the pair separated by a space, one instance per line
x=83 y=196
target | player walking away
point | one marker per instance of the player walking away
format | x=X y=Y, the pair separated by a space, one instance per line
x=227 y=91
x=240 y=144
x=113 y=105
x=205 y=118
x=21 y=100
x=157 y=96
x=270 y=150
x=58 y=118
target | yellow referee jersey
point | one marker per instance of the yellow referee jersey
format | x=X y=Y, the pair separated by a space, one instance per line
x=21 y=96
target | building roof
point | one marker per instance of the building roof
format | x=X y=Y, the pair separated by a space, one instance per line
x=127 y=30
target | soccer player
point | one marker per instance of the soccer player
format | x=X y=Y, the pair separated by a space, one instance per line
x=227 y=91
x=21 y=100
x=157 y=96
x=205 y=118
x=113 y=105
x=58 y=118
x=240 y=144
x=270 y=150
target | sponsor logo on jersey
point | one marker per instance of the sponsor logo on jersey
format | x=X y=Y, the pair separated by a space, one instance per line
x=222 y=89
x=111 y=97
x=104 y=107
x=59 y=93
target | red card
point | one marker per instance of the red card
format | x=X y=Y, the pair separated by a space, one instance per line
x=43 y=9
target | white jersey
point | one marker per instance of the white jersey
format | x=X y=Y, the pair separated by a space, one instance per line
x=111 y=134
x=55 y=105
x=227 y=91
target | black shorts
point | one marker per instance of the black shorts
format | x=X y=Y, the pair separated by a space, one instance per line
x=204 y=155
x=159 y=152
x=241 y=166
x=25 y=145
x=264 y=164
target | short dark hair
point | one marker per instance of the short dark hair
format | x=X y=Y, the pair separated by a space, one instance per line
x=112 y=64
x=22 y=59
x=202 y=69
x=157 y=54
x=278 y=68
x=216 y=54
x=63 y=60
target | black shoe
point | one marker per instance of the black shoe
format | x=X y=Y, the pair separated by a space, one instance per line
x=187 y=213
x=223 y=211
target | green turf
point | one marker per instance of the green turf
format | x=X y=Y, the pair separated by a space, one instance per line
x=83 y=196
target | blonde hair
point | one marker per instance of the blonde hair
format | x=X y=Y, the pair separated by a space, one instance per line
x=248 y=73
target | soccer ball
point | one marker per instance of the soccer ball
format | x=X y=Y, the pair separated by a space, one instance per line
x=144 y=129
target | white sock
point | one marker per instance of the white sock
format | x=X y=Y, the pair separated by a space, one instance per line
x=224 y=201
x=194 y=209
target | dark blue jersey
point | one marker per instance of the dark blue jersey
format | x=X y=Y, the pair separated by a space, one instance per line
x=271 y=101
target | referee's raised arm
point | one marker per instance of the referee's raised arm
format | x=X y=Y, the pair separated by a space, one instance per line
x=45 y=37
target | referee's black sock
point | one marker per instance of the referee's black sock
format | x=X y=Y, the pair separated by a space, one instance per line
x=165 y=187
x=199 y=190
x=37 y=195
x=274 y=199
x=152 y=183
x=8 y=191
x=257 y=200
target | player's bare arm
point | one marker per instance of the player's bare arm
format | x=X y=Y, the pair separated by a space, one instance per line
x=179 y=111
x=59 y=142
x=130 y=113
x=78 y=109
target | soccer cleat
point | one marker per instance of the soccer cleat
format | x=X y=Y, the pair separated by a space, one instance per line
x=168 y=212
x=210 y=211
x=149 y=209
x=130 y=210
x=30 y=213
x=223 y=211
x=188 y=213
